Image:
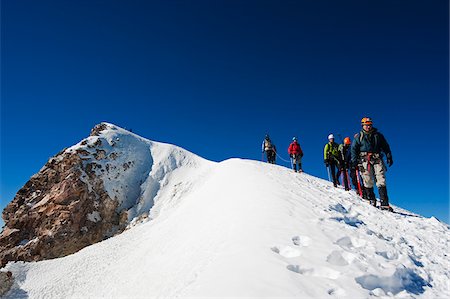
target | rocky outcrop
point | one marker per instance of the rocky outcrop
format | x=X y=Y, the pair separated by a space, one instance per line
x=6 y=282
x=62 y=208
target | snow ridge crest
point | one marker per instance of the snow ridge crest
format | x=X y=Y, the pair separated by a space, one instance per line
x=91 y=191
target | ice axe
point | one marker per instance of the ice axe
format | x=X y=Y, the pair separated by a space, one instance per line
x=359 y=182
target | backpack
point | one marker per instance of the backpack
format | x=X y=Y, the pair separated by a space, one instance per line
x=267 y=144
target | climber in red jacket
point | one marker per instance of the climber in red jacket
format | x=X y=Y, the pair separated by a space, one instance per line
x=296 y=154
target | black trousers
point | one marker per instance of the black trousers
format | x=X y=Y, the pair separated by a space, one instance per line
x=344 y=173
x=353 y=178
x=333 y=167
x=271 y=155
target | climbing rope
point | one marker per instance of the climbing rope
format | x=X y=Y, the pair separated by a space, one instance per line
x=281 y=158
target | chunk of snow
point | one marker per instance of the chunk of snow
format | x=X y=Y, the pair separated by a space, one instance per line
x=94 y=216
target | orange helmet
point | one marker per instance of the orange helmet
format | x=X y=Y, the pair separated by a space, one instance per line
x=347 y=140
x=366 y=121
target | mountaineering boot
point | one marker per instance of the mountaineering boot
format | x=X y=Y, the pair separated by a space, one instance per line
x=371 y=196
x=364 y=193
x=383 y=196
x=300 y=167
x=384 y=199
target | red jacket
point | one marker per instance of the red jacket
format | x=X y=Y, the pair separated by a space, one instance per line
x=295 y=149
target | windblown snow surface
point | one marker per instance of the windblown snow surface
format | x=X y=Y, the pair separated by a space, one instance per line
x=242 y=228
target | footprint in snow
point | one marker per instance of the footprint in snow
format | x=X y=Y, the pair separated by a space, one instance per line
x=351 y=221
x=389 y=255
x=378 y=235
x=286 y=251
x=350 y=243
x=301 y=241
x=339 y=208
x=335 y=258
x=402 y=280
x=337 y=291
x=322 y=272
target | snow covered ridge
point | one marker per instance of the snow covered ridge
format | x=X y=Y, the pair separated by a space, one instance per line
x=249 y=229
x=237 y=228
x=133 y=169
x=93 y=190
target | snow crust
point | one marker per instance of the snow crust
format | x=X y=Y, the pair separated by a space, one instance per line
x=242 y=228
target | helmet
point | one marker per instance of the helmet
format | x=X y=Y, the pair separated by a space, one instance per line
x=267 y=136
x=331 y=136
x=366 y=121
x=347 y=140
x=294 y=138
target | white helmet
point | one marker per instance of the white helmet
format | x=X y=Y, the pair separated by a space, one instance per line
x=331 y=136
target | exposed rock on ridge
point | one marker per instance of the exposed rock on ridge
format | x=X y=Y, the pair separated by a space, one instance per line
x=64 y=207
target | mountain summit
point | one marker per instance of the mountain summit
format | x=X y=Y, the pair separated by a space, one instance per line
x=89 y=192
x=237 y=228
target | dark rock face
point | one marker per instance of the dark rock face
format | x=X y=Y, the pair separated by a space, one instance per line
x=60 y=210
x=6 y=282
x=98 y=128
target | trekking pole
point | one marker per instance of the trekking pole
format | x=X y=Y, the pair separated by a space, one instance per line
x=329 y=174
x=281 y=158
x=262 y=157
x=359 y=182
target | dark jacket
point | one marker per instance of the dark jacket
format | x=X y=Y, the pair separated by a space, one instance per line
x=346 y=155
x=371 y=142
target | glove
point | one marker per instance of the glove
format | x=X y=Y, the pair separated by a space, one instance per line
x=389 y=161
x=327 y=163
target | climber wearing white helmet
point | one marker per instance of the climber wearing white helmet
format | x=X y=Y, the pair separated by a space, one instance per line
x=331 y=157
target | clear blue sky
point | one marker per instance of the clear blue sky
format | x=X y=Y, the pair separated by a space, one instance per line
x=215 y=76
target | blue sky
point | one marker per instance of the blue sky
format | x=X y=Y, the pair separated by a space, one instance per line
x=215 y=76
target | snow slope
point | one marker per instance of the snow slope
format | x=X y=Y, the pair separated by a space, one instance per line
x=243 y=228
x=137 y=172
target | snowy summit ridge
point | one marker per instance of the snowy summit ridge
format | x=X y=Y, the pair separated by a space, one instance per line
x=141 y=168
x=91 y=191
x=237 y=228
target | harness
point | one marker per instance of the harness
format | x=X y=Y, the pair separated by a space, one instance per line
x=371 y=158
x=332 y=152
